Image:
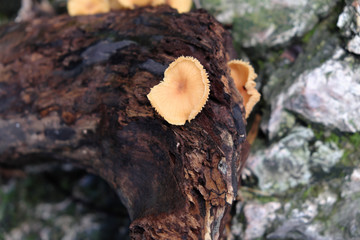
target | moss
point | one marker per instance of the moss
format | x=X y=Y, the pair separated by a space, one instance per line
x=312 y=191
x=355 y=139
x=307 y=37
x=11 y=213
x=349 y=142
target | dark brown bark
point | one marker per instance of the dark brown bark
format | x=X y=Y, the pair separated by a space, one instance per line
x=74 y=90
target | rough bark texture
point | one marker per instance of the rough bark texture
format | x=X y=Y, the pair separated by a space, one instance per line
x=74 y=90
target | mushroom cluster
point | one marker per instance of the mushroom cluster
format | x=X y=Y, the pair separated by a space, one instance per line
x=185 y=89
x=87 y=7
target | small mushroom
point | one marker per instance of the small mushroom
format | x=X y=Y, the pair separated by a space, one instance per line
x=115 y=5
x=87 y=7
x=180 y=5
x=243 y=74
x=183 y=92
x=131 y=4
x=158 y=2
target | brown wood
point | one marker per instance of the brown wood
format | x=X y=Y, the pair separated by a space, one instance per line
x=73 y=89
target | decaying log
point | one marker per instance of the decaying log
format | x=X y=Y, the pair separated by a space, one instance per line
x=73 y=89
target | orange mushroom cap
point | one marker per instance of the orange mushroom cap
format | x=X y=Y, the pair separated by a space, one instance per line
x=243 y=74
x=183 y=92
x=181 y=5
x=131 y=4
x=158 y=2
x=87 y=7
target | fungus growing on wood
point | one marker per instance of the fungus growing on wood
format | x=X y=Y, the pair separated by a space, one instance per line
x=115 y=5
x=87 y=7
x=181 y=6
x=243 y=74
x=183 y=92
x=131 y=4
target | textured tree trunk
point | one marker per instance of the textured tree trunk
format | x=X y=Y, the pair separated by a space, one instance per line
x=74 y=90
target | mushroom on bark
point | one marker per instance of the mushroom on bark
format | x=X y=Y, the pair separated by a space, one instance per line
x=87 y=7
x=183 y=92
x=244 y=75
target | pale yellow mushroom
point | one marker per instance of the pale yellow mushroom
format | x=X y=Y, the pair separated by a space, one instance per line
x=158 y=2
x=87 y=7
x=183 y=92
x=131 y=4
x=180 y=5
x=244 y=75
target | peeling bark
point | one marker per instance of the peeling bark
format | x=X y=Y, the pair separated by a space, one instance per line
x=73 y=89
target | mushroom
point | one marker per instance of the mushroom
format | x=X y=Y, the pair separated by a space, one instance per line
x=115 y=5
x=158 y=2
x=183 y=92
x=244 y=75
x=131 y=4
x=181 y=6
x=87 y=7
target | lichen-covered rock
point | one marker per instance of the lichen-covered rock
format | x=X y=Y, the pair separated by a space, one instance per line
x=298 y=221
x=277 y=119
x=268 y=22
x=289 y=162
x=328 y=95
x=325 y=156
x=345 y=222
x=69 y=205
x=349 y=24
x=259 y=218
x=316 y=212
x=352 y=184
x=284 y=164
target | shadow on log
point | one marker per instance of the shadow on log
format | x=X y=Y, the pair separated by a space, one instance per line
x=74 y=90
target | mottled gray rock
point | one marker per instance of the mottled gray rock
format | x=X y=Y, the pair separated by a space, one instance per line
x=259 y=217
x=346 y=220
x=277 y=120
x=289 y=162
x=328 y=95
x=349 y=23
x=352 y=184
x=268 y=22
x=295 y=230
x=354 y=45
x=326 y=155
x=284 y=164
x=60 y=205
x=292 y=218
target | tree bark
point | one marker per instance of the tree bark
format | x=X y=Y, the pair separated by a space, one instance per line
x=73 y=89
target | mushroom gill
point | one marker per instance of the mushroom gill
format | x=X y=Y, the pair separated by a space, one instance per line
x=243 y=74
x=183 y=92
x=87 y=7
